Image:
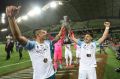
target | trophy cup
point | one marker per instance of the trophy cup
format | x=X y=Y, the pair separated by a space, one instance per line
x=66 y=24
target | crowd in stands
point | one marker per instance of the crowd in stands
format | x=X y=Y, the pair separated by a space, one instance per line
x=116 y=44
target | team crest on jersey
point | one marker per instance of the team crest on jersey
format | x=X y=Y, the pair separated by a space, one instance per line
x=41 y=49
x=86 y=47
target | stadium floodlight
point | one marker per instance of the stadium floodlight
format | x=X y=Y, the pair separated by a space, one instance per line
x=25 y=17
x=45 y=7
x=3 y=14
x=4 y=29
x=30 y=13
x=35 y=11
x=2 y=17
x=60 y=3
x=19 y=19
x=3 y=20
x=53 y=4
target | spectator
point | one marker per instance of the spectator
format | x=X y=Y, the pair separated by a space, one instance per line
x=102 y=49
x=8 y=48
x=20 y=49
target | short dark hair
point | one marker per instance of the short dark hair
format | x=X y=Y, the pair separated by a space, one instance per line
x=89 y=34
x=35 y=31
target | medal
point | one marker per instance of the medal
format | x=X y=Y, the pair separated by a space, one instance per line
x=45 y=60
x=88 y=55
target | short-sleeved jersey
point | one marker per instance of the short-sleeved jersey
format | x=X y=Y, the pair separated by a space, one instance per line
x=38 y=52
x=87 y=54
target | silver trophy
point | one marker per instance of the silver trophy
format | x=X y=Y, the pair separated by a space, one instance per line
x=66 y=24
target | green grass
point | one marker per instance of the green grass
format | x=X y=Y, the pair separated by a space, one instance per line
x=112 y=63
x=13 y=60
x=109 y=73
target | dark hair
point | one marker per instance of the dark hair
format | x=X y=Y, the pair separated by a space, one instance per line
x=89 y=34
x=35 y=31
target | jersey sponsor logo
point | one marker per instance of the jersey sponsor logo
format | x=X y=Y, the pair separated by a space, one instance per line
x=88 y=47
x=41 y=49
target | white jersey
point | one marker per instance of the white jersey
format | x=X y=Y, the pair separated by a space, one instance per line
x=38 y=52
x=68 y=52
x=87 y=55
x=67 y=47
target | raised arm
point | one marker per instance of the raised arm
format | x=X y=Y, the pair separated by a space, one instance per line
x=11 y=11
x=73 y=37
x=58 y=35
x=105 y=34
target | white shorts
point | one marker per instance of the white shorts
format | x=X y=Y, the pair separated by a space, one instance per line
x=68 y=54
x=87 y=74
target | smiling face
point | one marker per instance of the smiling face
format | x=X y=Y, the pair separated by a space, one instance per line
x=43 y=34
x=40 y=34
x=87 y=38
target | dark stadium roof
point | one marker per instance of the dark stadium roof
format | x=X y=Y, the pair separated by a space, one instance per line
x=77 y=10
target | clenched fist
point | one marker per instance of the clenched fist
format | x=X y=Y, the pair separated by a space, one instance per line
x=11 y=11
x=107 y=24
